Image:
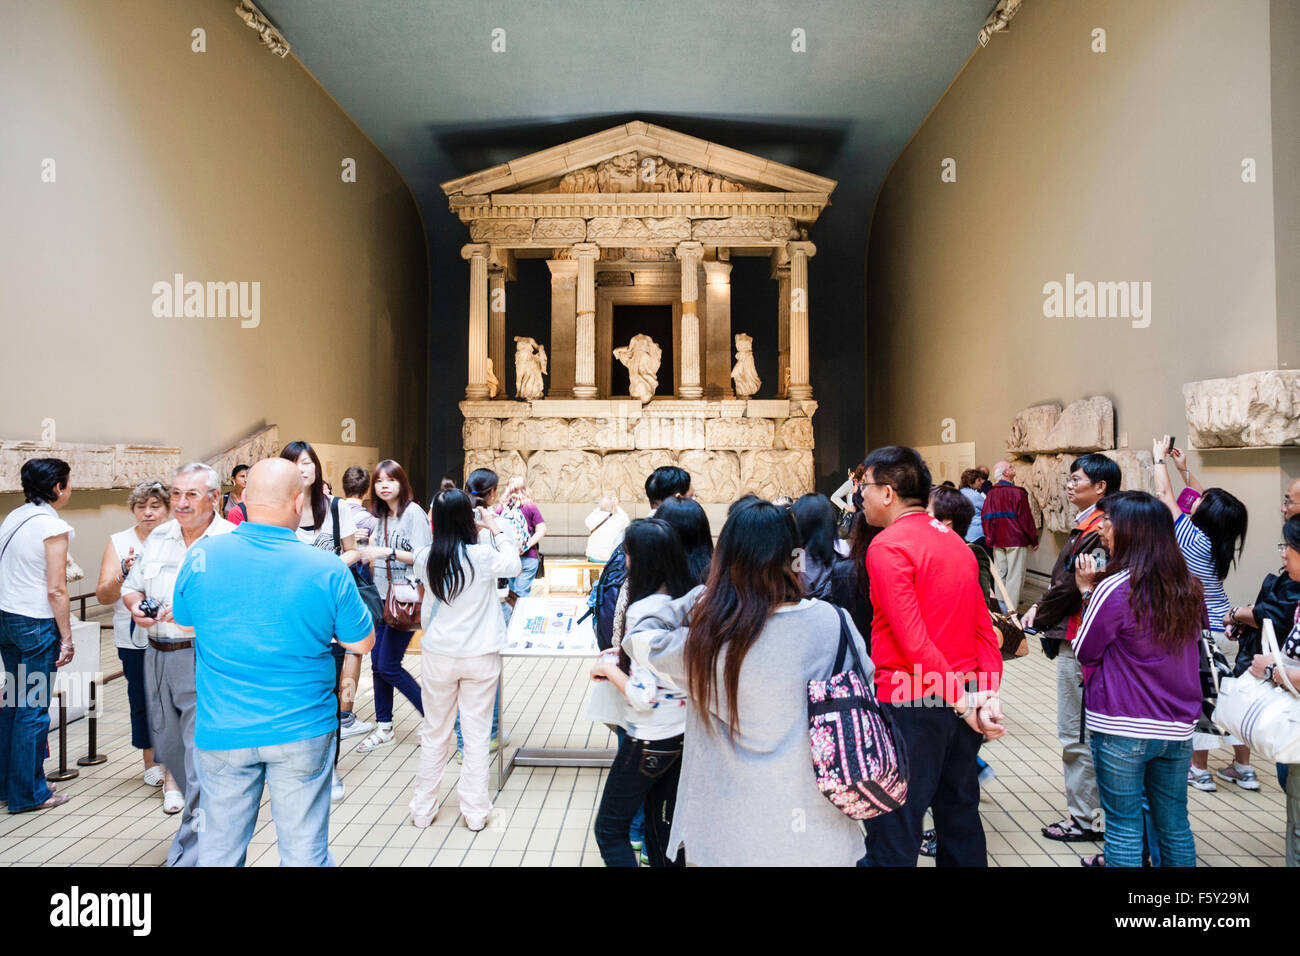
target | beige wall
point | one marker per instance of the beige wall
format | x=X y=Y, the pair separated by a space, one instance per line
x=1124 y=165
x=223 y=166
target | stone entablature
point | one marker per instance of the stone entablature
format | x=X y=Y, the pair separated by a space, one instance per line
x=93 y=465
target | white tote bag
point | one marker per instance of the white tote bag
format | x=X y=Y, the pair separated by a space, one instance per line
x=1264 y=716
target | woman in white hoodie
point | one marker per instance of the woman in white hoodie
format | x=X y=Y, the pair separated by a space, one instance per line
x=460 y=652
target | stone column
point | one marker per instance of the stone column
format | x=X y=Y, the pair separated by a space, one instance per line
x=800 y=253
x=584 y=376
x=564 y=276
x=781 y=273
x=497 y=326
x=477 y=254
x=718 y=358
x=691 y=254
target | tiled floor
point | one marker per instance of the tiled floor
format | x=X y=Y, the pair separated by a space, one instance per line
x=544 y=816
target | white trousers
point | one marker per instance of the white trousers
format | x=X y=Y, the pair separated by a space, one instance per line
x=448 y=684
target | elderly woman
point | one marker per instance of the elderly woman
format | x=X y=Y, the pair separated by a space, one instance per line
x=35 y=628
x=150 y=505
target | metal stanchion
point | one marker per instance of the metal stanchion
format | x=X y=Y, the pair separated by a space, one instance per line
x=63 y=773
x=93 y=757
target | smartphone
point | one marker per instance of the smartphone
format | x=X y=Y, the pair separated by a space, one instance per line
x=1170 y=446
x=1030 y=630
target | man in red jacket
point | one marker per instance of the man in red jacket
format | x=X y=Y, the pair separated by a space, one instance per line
x=1009 y=529
x=937 y=664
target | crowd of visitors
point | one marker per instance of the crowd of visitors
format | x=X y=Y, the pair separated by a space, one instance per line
x=242 y=620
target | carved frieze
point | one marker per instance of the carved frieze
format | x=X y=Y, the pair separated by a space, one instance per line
x=1085 y=425
x=564 y=475
x=564 y=230
x=263 y=443
x=639 y=172
x=715 y=475
x=771 y=473
x=761 y=228
x=504 y=463
x=501 y=230
x=676 y=432
x=740 y=432
x=1253 y=410
x=796 y=433
x=623 y=473
x=479 y=433
x=93 y=466
x=528 y=434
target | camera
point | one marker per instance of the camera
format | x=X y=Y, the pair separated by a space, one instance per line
x=149 y=607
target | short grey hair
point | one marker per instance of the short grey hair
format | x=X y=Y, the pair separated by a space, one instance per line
x=146 y=490
x=999 y=470
x=197 y=468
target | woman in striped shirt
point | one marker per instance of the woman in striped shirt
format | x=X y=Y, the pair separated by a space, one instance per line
x=1210 y=537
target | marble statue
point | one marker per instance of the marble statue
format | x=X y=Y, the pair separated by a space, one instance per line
x=745 y=375
x=493 y=384
x=530 y=366
x=642 y=357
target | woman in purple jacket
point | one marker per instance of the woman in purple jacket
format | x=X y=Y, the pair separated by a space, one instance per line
x=1138 y=645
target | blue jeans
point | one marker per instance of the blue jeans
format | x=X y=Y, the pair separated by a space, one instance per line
x=644 y=774
x=230 y=789
x=386 y=665
x=29 y=647
x=1129 y=767
x=637 y=833
x=522 y=583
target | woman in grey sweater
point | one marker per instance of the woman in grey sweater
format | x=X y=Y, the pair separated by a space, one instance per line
x=745 y=646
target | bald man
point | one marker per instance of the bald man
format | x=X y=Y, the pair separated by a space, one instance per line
x=265 y=610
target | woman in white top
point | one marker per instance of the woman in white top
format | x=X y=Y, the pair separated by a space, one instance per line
x=403 y=530
x=150 y=504
x=460 y=652
x=648 y=765
x=35 y=628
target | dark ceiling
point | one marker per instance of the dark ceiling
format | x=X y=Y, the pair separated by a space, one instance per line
x=421 y=78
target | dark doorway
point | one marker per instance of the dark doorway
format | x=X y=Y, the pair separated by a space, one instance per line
x=655 y=321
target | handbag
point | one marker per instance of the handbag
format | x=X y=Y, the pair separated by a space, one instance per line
x=365 y=584
x=859 y=762
x=401 y=615
x=1214 y=669
x=1006 y=623
x=1264 y=716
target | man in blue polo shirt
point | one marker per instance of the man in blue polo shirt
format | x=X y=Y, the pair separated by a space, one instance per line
x=264 y=611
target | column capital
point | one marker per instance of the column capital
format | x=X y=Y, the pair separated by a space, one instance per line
x=717 y=273
x=475 y=250
x=585 y=250
x=802 y=247
x=690 y=250
x=564 y=273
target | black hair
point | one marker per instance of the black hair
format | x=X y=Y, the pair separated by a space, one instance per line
x=948 y=504
x=815 y=517
x=692 y=526
x=42 y=478
x=657 y=559
x=234 y=472
x=1223 y=519
x=316 y=493
x=666 y=481
x=1099 y=468
x=480 y=483
x=453 y=530
x=903 y=469
x=1291 y=532
x=744 y=501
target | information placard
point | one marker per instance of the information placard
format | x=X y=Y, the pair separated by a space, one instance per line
x=548 y=627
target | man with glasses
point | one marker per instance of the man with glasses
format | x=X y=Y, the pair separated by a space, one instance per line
x=169 y=658
x=1058 y=614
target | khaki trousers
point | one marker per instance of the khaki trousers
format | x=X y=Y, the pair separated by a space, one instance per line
x=1011 y=563
x=1081 y=797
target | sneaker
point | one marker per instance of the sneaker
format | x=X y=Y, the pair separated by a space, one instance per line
x=496 y=744
x=987 y=774
x=381 y=737
x=929 y=843
x=155 y=775
x=1245 y=779
x=1201 y=780
x=337 y=790
x=355 y=728
x=476 y=825
x=638 y=844
x=645 y=858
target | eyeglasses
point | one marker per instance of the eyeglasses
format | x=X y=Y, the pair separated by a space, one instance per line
x=1075 y=480
x=1286 y=501
x=177 y=495
x=1281 y=548
x=1105 y=519
x=883 y=484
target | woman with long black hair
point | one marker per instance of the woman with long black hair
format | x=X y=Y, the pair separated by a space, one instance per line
x=460 y=652
x=744 y=647
x=1138 y=647
x=692 y=526
x=815 y=517
x=646 y=770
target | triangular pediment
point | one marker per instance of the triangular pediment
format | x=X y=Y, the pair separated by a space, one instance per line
x=638 y=157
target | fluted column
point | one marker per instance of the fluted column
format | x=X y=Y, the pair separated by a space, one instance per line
x=476 y=254
x=584 y=372
x=497 y=326
x=781 y=273
x=690 y=254
x=717 y=312
x=564 y=273
x=800 y=253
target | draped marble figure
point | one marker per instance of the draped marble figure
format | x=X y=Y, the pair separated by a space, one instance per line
x=745 y=375
x=642 y=357
x=530 y=366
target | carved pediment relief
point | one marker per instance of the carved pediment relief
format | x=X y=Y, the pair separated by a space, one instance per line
x=641 y=172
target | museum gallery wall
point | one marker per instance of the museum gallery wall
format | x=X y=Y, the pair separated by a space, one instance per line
x=1135 y=172
x=208 y=176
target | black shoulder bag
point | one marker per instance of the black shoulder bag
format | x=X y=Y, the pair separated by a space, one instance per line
x=366 y=588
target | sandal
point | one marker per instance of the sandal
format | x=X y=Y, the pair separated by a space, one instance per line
x=173 y=802
x=376 y=739
x=1069 y=831
x=58 y=800
x=1098 y=860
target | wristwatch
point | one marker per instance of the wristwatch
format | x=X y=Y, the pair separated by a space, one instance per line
x=1085 y=595
x=1268 y=672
